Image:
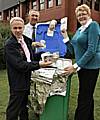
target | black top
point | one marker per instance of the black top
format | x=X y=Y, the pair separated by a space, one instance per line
x=19 y=70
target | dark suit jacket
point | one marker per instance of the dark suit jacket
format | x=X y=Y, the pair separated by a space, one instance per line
x=19 y=70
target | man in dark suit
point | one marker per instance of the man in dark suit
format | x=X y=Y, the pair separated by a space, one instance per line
x=20 y=63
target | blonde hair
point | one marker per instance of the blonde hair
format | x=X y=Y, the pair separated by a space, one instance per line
x=16 y=19
x=83 y=7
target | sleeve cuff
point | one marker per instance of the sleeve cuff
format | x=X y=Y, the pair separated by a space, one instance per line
x=76 y=67
x=65 y=40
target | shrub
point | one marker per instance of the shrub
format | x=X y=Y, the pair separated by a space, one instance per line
x=4 y=34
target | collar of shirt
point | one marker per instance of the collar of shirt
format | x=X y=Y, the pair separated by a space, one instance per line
x=83 y=27
x=31 y=26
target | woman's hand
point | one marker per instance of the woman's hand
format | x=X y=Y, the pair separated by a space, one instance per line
x=64 y=33
x=69 y=70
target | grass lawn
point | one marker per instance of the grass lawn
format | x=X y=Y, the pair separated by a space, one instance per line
x=73 y=96
x=3 y=93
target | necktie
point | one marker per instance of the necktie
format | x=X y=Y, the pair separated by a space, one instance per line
x=33 y=34
x=25 y=49
x=33 y=38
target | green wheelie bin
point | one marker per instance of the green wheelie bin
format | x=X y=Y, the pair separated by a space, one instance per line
x=56 y=107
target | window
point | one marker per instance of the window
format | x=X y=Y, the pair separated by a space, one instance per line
x=89 y=3
x=34 y=5
x=0 y=16
x=97 y=5
x=12 y=13
x=16 y=12
x=27 y=6
x=79 y=2
x=58 y=2
x=42 y=5
x=49 y=3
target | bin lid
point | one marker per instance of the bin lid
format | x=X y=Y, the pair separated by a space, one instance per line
x=53 y=43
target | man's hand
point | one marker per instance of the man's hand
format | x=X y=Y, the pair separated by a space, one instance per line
x=45 y=64
x=37 y=44
x=52 y=25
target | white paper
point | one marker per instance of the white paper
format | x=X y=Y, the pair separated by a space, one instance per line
x=58 y=93
x=46 y=72
x=63 y=23
x=61 y=63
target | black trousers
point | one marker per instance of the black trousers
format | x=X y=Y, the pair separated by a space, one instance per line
x=17 y=106
x=87 y=83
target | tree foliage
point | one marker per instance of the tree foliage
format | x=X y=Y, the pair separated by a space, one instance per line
x=4 y=34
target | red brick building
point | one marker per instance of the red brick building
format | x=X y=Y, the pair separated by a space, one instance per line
x=49 y=9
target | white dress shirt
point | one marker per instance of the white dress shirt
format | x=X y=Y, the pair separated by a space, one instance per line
x=28 y=30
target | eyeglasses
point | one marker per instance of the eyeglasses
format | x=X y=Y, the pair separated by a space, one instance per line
x=81 y=14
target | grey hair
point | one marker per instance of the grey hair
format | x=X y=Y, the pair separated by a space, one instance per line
x=32 y=10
